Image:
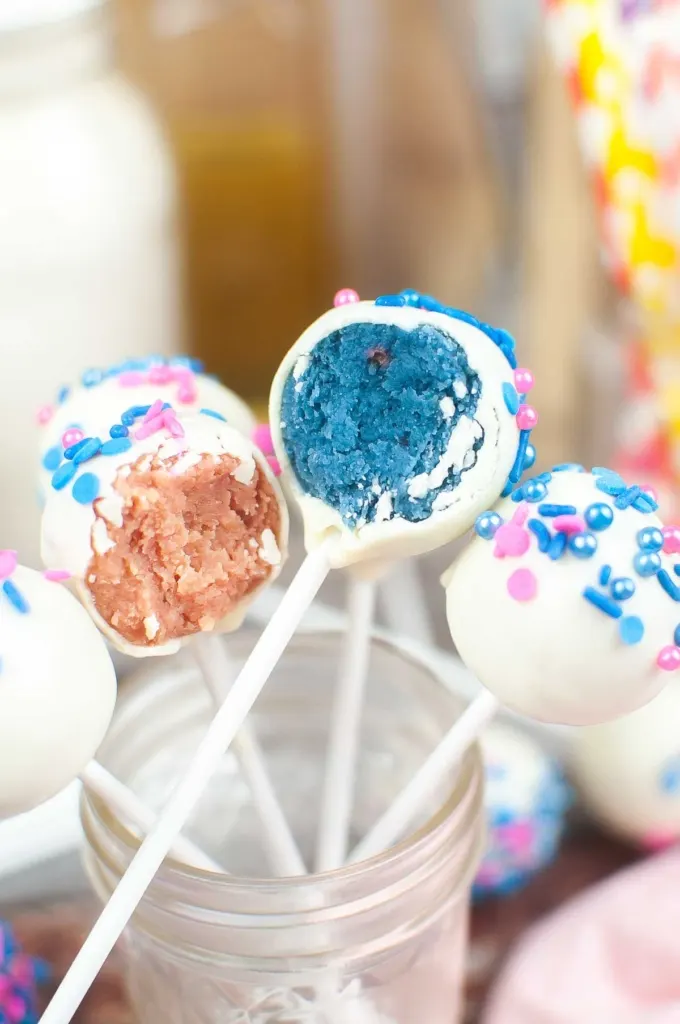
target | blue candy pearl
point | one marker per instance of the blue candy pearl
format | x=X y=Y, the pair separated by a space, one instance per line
x=650 y=539
x=118 y=430
x=676 y=636
x=622 y=588
x=583 y=545
x=534 y=490
x=599 y=516
x=647 y=564
x=529 y=457
x=487 y=524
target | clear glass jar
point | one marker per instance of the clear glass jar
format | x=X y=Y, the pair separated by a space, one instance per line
x=378 y=942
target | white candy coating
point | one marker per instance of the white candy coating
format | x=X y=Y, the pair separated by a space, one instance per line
x=57 y=692
x=556 y=657
x=394 y=537
x=628 y=771
x=73 y=532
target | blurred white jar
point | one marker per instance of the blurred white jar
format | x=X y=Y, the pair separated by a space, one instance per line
x=89 y=269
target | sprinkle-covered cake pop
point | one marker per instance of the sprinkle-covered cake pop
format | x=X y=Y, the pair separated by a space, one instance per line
x=396 y=422
x=566 y=604
x=96 y=403
x=57 y=687
x=525 y=798
x=628 y=772
x=169 y=526
x=20 y=977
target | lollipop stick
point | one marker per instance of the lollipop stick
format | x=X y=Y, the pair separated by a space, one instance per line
x=227 y=722
x=429 y=776
x=128 y=805
x=281 y=848
x=338 y=788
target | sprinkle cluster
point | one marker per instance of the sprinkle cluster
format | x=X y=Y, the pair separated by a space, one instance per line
x=262 y=438
x=560 y=530
x=20 y=976
x=8 y=564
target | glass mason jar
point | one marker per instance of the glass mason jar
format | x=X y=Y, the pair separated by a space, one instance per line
x=376 y=942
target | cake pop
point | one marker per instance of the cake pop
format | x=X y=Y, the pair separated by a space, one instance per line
x=628 y=772
x=565 y=604
x=57 y=687
x=20 y=978
x=169 y=526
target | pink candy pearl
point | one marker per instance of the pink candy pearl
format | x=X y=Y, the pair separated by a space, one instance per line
x=522 y=585
x=671 y=539
x=524 y=381
x=45 y=414
x=669 y=659
x=8 y=563
x=345 y=297
x=71 y=436
x=527 y=417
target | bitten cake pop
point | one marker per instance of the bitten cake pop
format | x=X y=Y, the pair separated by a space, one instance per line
x=525 y=799
x=397 y=422
x=565 y=605
x=169 y=527
x=95 y=405
x=628 y=771
x=57 y=687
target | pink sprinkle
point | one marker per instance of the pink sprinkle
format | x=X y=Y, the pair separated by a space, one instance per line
x=657 y=839
x=172 y=424
x=149 y=427
x=56 y=575
x=518 y=837
x=511 y=539
x=262 y=437
x=569 y=524
x=522 y=585
x=669 y=658
x=45 y=414
x=155 y=410
x=527 y=417
x=345 y=297
x=671 y=539
x=186 y=394
x=71 y=436
x=521 y=514
x=524 y=381
x=8 y=563
x=161 y=375
x=653 y=494
x=274 y=465
x=131 y=379
x=15 y=1008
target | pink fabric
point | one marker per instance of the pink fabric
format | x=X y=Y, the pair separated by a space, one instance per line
x=610 y=956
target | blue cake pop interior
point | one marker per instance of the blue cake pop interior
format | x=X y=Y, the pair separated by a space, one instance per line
x=365 y=416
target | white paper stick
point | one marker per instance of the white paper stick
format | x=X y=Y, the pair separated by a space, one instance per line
x=341 y=760
x=402 y=599
x=227 y=722
x=127 y=804
x=397 y=818
x=219 y=672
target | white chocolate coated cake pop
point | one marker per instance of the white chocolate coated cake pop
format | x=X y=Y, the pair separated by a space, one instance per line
x=396 y=422
x=565 y=604
x=628 y=772
x=169 y=529
x=90 y=408
x=57 y=687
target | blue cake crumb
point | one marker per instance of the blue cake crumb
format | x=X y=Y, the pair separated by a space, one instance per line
x=365 y=417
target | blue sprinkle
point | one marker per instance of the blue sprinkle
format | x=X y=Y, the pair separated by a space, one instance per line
x=73 y=449
x=670 y=777
x=118 y=430
x=645 y=503
x=518 y=495
x=676 y=636
x=62 y=394
x=550 y=511
x=139 y=410
x=604 y=471
x=91 y=378
x=486 y=524
x=507 y=489
x=86 y=488
x=599 y=516
x=511 y=398
x=64 y=475
x=88 y=450
x=610 y=486
x=622 y=588
x=529 y=455
x=582 y=545
x=116 y=445
x=650 y=538
x=545 y=478
x=568 y=467
x=671 y=588
x=647 y=564
x=676 y=570
x=519 y=464
x=631 y=630
x=15 y=597
x=557 y=547
x=52 y=458
x=541 y=532
x=128 y=418
x=214 y=414
x=534 y=491
x=604 y=603
x=605 y=573
x=626 y=498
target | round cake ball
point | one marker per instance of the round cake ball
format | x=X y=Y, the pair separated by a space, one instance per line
x=566 y=602
x=57 y=687
x=395 y=423
x=628 y=771
x=96 y=403
x=168 y=531
x=526 y=798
